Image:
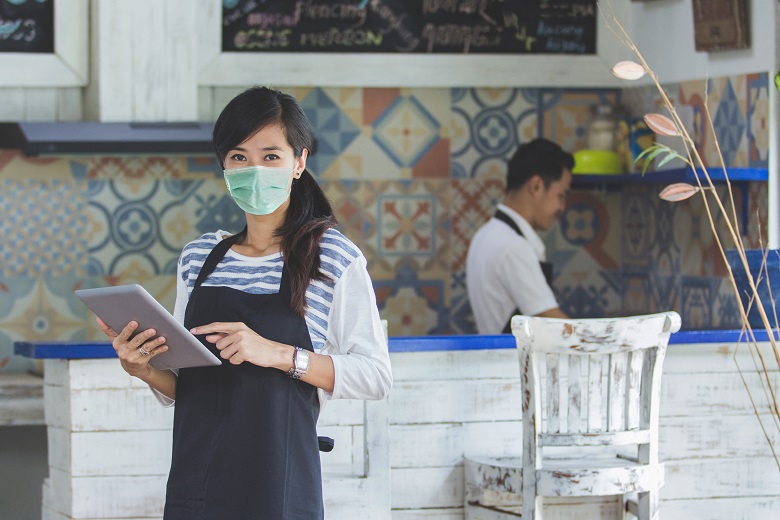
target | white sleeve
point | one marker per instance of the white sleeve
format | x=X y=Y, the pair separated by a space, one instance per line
x=182 y=297
x=521 y=271
x=356 y=339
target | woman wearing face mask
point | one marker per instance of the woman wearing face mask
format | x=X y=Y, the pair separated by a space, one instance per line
x=288 y=305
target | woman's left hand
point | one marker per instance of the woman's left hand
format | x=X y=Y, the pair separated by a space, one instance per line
x=238 y=343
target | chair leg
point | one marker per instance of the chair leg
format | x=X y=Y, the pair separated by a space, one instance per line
x=532 y=507
x=647 y=505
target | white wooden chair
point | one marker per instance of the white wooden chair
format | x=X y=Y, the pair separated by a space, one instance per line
x=591 y=385
x=356 y=475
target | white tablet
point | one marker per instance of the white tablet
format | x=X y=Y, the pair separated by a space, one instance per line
x=121 y=304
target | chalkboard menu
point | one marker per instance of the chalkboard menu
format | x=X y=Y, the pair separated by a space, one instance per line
x=27 y=26
x=410 y=26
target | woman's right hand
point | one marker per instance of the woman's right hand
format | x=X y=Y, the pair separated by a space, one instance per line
x=134 y=354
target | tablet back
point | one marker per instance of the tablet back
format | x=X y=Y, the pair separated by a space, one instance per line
x=118 y=305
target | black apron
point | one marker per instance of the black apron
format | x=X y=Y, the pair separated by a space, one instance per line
x=547 y=267
x=244 y=436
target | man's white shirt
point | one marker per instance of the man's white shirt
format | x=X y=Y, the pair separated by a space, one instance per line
x=503 y=273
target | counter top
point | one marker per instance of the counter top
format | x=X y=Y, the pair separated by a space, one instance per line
x=95 y=349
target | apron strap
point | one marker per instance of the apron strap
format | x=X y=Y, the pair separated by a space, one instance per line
x=216 y=255
x=506 y=219
x=547 y=267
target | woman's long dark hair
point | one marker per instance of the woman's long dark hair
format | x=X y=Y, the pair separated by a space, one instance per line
x=309 y=214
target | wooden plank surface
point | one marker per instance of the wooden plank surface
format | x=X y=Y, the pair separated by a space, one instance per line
x=741 y=508
x=21 y=400
x=107 y=497
x=709 y=435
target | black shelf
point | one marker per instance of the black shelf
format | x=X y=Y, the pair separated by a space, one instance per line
x=735 y=175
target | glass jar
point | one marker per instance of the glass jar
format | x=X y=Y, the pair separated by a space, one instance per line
x=602 y=131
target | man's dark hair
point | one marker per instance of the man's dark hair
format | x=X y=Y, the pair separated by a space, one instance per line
x=539 y=157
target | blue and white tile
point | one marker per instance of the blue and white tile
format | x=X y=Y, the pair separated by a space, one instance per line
x=730 y=124
x=585 y=290
x=335 y=131
x=460 y=312
x=141 y=227
x=406 y=131
x=41 y=308
x=44 y=228
x=486 y=127
x=407 y=222
x=412 y=304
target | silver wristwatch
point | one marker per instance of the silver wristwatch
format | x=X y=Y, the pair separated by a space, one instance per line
x=300 y=363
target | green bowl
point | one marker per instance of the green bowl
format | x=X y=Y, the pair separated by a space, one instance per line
x=597 y=162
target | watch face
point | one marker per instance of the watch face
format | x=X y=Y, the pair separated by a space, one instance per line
x=302 y=360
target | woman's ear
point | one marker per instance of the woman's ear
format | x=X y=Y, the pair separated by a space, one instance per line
x=300 y=164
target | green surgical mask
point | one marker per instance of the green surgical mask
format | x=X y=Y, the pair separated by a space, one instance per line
x=258 y=190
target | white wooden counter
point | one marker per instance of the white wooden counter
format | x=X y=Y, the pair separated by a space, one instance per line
x=21 y=400
x=109 y=440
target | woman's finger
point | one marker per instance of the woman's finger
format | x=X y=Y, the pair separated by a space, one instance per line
x=158 y=350
x=127 y=331
x=222 y=342
x=141 y=338
x=228 y=351
x=214 y=338
x=137 y=354
x=227 y=327
x=108 y=331
x=153 y=346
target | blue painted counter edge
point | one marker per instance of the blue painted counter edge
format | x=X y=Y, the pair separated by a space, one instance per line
x=64 y=349
x=96 y=350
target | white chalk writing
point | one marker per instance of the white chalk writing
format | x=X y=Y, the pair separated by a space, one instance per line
x=462 y=36
x=346 y=38
x=345 y=11
x=17 y=30
x=261 y=39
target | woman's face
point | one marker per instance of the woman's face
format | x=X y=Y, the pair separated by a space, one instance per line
x=268 y=147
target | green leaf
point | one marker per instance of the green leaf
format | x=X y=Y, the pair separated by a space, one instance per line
x=668 y=158
x=645 y=152
x=655 y=153
x=651 y=152
x=658 y=151
x=645 y=155
x=777 y=80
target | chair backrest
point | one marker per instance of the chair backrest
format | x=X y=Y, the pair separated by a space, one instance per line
x=592 y=382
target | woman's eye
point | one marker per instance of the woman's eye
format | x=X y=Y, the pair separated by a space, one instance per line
x=237 y=157
x=271 y=157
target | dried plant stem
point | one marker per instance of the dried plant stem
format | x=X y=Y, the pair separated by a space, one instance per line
x=694 y=153
x=756 y=412
x=732 y=224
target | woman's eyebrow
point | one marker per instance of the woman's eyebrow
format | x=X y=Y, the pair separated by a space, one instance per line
x=271 y=148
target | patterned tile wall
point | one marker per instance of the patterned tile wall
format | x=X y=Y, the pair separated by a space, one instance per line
x=412 y=173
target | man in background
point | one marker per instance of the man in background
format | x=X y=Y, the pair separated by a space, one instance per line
x=507 y=272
